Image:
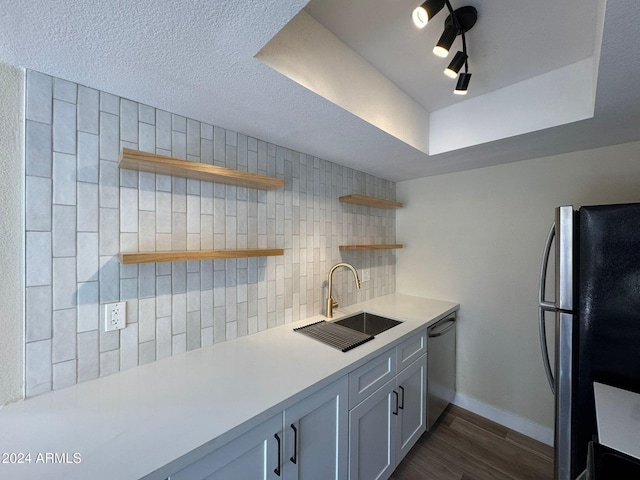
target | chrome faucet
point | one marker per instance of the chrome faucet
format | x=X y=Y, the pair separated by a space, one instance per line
x=331 y=303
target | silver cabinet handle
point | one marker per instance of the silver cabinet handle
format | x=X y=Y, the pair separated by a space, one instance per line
x=450 y=324
x=544 y=306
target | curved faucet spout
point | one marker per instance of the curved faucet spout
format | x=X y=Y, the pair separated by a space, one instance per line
x=331 y=303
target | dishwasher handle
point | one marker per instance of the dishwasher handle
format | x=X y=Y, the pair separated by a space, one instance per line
x=442 y=327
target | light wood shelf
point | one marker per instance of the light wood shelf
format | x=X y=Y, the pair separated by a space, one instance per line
x=370 y=247
x=153 y=163
x=127 y=258
x=358 y=199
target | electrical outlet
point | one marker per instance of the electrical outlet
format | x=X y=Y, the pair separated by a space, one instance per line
x=115 y=316
x=366 y=274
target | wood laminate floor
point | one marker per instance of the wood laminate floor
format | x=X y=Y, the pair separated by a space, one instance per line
x=465 y=446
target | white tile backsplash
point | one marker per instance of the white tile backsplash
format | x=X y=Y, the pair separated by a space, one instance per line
x=81 y=211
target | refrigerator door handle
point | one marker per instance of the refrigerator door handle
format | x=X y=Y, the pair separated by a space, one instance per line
x=544 y=306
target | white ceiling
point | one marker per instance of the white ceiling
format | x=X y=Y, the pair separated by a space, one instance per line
x=197 y=58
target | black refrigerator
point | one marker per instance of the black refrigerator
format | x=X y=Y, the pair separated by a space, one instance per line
x=596 y=315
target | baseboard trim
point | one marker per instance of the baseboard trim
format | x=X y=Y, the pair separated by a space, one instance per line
x=510 y=420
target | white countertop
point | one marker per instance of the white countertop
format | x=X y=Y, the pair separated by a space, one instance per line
x=130 y=424
x=618 y=417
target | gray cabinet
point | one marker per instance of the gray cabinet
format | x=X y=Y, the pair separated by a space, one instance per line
x=251 y=455
x=387 y=423
x=307 y=441
x=316 y=435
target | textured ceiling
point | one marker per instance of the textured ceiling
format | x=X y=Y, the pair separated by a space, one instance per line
x=196 y=58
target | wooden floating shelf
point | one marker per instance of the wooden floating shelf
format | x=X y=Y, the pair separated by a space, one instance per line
x=127 y=258
x=367 y=201
x=370 y=247
x=161 y=164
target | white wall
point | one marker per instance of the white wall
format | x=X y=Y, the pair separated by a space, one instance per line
x=11 y=228
x=476 y=237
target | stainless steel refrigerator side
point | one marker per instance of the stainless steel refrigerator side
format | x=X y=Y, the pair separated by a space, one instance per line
x=564 y=258
x=563 y=342
x=563 y=388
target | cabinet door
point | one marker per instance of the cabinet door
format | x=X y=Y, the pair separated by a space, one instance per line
x=253 y=455
x=372 y=436
x=317 y=434
x=412 y=418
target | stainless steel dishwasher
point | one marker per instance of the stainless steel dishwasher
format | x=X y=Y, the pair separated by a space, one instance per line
x=441 y=362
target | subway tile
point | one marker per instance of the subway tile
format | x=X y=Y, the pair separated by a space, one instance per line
x=219 y=324
x=38 y=259
x=128 y=178
x=64 y=179
x=64 y=374
x=164 y=341
x=147 y=352
x=38 y=377
x=179 y=145
x=39 y=97
x=206 y=336
x=88 y=160
x=206 y=151
x=179 y=313
x=147 y=241
x=128 y=210
x=163 y=296
x=38 y=313
x=65 y=90
x=163 y=212
x=109 y=136
x=64 y=231
x=64 y=127
x=109 y=103
x=109 y=184
x=87 y=261
x=128 y=121
x=109 y=231
x=129 y=346
x=146 y=280
x=64 y=335
x=193 y=137
x=87 y=209
x=193 y=292
x=179 y=343
x=109 y=279
x=179 y=195
x=147 y=114
x=88 y=356
x=147 y=137
x=146 y=319
x=88 y=307
x=219 y=146
x=179 y=231
x=193 y=330
x=178 y=123
x=147 y=193
x=163 y=130
x=88 y=109
x=38 y=204
x=109 y=362
x=38 y=149
x=193 y=214
x=179 y=277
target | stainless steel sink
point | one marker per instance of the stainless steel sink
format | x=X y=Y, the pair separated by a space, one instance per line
x=367 y=323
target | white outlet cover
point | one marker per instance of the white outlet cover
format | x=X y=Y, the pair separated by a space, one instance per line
x=115 y=316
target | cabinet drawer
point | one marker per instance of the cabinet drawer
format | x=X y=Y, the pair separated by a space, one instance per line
x=371 y=376
x=412 y=349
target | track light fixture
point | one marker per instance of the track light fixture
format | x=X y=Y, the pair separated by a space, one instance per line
x=425 y=12
x=463 y=84
x=455 y=65
x=457 y=23
x=446 y=40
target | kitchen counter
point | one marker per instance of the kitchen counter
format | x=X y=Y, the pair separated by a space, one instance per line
x=130 y=424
